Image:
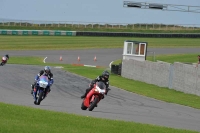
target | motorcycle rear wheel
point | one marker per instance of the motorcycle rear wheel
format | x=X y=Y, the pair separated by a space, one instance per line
x=93 y=104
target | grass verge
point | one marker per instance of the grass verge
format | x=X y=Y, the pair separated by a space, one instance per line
x=77 y=42
x=20 y=119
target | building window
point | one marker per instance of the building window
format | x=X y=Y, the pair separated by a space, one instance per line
x=129 y=48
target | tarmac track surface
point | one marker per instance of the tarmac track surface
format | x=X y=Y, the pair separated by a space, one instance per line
x=15 y=88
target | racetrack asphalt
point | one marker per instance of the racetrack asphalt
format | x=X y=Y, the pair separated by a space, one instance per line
x=15 y=81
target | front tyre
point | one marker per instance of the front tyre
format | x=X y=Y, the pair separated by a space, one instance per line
x=40 y=97
x=83 y=107
x=93 y=104
x=2 y=64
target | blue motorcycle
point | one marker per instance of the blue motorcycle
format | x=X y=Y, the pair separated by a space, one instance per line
x=40 y=89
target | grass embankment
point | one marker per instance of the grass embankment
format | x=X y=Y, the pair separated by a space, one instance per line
x=184 y=58
x=19 y=119
x=142 y=29
x=61 y=42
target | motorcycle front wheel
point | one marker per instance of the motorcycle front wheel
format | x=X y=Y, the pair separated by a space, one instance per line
x=83 y=107
x=93 y=104
x=40 y=98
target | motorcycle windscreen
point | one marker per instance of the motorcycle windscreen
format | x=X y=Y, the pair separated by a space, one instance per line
x=101 y=85
x=44 y=78
x=43 y=81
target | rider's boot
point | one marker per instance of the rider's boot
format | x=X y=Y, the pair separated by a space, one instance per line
x=32 y=86
x=83 y=96
x=86 y=92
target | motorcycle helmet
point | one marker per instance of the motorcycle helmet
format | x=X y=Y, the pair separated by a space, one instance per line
x=47 y=69
x=105 y=74
x=7 y=56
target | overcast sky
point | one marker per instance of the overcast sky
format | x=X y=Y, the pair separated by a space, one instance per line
x=110 y=11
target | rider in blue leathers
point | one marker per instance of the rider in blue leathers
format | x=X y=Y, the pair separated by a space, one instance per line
x=47 y=72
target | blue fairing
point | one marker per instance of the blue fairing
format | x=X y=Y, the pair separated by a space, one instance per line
x=41 y=78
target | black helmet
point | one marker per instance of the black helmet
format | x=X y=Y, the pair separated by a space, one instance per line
x=106 y=74
x=47 y=69
x=7 y=56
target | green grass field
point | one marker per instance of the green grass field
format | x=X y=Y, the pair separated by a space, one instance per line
x=183 y=58
x=24 y=119
x=77 y=42
x=20 y=119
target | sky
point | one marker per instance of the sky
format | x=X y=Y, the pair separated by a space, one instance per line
x=107 y=11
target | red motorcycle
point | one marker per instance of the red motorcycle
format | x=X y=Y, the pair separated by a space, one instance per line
x=3 y=60
x=94 y=96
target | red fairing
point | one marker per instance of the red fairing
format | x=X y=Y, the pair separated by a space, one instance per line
x=90 y=97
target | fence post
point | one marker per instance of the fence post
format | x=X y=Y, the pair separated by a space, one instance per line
x=171 y=71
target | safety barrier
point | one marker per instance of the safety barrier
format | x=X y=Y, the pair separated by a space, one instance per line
x=38 y=32
x=132 y=34
x=86 y=33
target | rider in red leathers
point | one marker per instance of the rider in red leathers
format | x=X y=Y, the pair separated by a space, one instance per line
x=4 y=59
